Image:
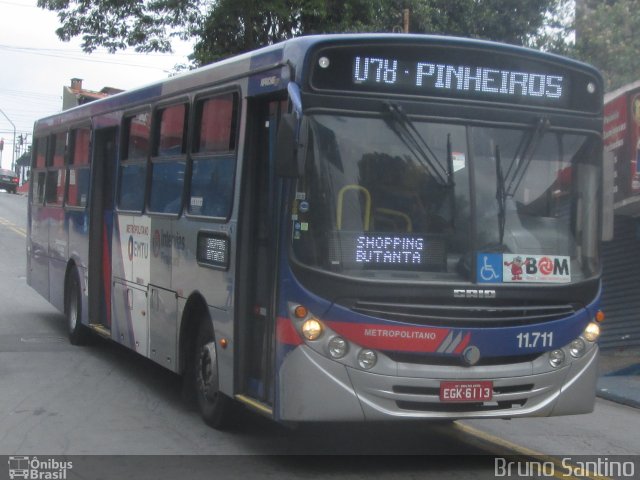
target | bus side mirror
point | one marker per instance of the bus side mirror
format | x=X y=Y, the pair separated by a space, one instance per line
x=287 y=156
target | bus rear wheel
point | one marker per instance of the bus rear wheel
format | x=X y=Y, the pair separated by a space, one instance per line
x=215 y=407
x=78 y=333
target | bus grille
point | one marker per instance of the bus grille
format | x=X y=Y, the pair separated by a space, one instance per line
x=456 y=361
x=459 y=407
x=464 y=314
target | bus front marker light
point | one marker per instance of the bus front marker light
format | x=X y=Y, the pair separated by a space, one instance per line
x=311 y=329
x=300 y=312
x=599 y=316
x=338 y=347
x=367 y=359
x=556 y=358
x=592 y=332
x=577 y=348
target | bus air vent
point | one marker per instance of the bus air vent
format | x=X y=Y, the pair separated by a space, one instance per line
x=466 y=314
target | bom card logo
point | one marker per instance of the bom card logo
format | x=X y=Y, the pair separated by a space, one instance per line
x=536 y=268
x=523 y=268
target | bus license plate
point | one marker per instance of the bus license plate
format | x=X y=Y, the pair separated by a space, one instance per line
x=481 y=391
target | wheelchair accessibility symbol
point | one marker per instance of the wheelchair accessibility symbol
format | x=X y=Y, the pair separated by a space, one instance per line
x=489 y=268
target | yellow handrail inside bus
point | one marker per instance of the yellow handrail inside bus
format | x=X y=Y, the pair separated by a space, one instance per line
x=396 y=213
x=367 y=205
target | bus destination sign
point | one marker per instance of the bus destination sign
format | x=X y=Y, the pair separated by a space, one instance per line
x=446 y=72
x=463 y=78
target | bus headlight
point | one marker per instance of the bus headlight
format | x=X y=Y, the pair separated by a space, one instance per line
x=338 y=347
x=311 y=329
x=367 y=359
x=556 y=358
x=577 y=348
x=592 y=332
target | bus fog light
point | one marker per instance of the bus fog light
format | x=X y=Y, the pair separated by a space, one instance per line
x=556 y=358
x=592 y=332
x=338 y=347
x=577 y=348
x=311 y=329
x=367 y=359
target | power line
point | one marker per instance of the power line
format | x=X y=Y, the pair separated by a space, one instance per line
x=81 y=59
x=80 y=51
x=14 y=4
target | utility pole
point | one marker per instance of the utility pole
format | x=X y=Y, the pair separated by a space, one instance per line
x=13 y=150
x=405 y=20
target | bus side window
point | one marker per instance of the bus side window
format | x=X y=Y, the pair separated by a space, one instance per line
x=39 y=164
x=169 y=163
x=212 y=186
x=78 y=176
x=133 y=167
x=39 y=179
x=167 y=181
x=214 y=157
x=56 y=173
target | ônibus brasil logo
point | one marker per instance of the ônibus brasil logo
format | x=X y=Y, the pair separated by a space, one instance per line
x=38 y=469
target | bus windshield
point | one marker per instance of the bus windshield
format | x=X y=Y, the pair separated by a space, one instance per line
x=384 y=199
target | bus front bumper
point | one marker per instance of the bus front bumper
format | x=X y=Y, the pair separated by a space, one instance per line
x=315 y=388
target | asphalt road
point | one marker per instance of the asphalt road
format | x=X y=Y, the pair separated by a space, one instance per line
x=56 y=399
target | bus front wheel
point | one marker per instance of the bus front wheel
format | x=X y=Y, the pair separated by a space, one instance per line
x=214 y=406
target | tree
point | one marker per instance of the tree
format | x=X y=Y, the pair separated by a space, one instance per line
x=608 y=38
x=146 y=25
x=226 y=27
x=557 y=34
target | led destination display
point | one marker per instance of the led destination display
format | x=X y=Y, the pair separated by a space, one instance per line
x=396 y=251
x=428 y=75
x=490 y=74
x=389 y=249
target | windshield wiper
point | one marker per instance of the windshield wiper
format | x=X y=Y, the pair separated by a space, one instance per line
x=404 y=128
x=514 y=176
x=501 y=196
x=523 y=156
x=450 y=181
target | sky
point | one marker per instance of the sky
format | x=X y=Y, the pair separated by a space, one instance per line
x=35 y=66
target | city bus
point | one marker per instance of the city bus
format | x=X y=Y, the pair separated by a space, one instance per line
x=338 y=228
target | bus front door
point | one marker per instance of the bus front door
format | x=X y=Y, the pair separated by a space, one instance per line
x=257 y=272
x=100 y=228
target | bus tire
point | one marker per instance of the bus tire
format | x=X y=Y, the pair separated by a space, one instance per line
x=78 y=333
x=215 y=407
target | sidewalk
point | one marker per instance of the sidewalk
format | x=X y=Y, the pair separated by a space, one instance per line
x=620 y=376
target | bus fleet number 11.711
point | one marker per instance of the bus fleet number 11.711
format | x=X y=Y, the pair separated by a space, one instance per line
x=535 y=339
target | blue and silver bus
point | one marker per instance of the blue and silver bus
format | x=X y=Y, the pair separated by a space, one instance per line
x=338 y=228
